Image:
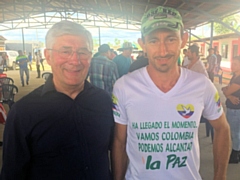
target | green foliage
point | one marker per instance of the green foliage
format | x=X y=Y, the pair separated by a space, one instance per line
x=95 y=42
x=232 y=21
x=117 y=42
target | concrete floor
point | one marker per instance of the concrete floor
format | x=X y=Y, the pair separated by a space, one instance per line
x=206 y=168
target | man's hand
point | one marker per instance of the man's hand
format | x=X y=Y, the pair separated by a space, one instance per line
x=235 y=100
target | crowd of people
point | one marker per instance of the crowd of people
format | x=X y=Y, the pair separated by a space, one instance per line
x=145 y=113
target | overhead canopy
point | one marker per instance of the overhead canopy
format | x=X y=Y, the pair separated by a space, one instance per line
x=124 y=14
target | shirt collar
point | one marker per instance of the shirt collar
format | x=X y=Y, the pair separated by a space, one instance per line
x=104 y=57
x=49 y=85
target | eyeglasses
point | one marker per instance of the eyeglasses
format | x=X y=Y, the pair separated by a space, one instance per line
x=67 y=53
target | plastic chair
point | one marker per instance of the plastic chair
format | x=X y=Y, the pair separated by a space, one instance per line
x=6 y=80
x=209 y=128
x=8 y=93
x=46 y=75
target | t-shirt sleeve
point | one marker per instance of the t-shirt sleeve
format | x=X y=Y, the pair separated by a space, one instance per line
x=212 y=105
x=118 y=98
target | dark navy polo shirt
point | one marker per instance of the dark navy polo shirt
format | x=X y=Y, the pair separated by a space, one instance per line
x=50 y=136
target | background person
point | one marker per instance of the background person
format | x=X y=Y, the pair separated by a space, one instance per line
x=149 y=103
x=124 y=60
x=38 y=64
x=22 y=61
x=141 y=61
x=1 y=65
x=232 y=93
x=30 y=60
x=195 y=63
x=41 y=59
x=103 y=72
x=61 y=130
x=185 y=58
x=212 y=62
x=5 y=61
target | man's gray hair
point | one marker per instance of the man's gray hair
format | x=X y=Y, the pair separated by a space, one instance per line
x=67 y=28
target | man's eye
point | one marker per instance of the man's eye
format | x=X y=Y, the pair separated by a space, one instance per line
x=153 y=41
x=171 y=39
x=66 y=52
x=81 y=53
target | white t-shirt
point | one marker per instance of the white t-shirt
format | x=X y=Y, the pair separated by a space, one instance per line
x=162 y=128
x=199 y=67
x=185 y=61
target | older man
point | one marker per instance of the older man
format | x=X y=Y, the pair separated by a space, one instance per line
x=157 y=110
x=61 y=130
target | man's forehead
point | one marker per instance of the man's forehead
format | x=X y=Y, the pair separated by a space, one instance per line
x=164 y=31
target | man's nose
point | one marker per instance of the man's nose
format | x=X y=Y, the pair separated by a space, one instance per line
x=75 y=58
x=163 y=49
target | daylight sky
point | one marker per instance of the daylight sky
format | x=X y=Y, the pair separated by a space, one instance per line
x=107 y=34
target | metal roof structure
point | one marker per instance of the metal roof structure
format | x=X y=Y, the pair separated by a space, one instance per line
x=218 y=37
x=121 y=14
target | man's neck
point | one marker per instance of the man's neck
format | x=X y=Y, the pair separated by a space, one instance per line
x=71 y=91
x=164 y=81
x=125 y=55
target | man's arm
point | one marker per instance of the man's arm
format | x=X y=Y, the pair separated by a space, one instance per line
x=230 y=89
x=119 y=159
x=221 y=147
x=16 y=153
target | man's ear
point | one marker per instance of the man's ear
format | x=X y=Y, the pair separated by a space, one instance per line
x=184 y=39
x=47 y=55
x=142 y=45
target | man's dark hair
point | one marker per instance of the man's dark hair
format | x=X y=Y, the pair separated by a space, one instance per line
x=194 y=49
x=20 y=52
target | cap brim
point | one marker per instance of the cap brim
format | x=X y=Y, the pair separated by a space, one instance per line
x=121 y=49
x=163 y=25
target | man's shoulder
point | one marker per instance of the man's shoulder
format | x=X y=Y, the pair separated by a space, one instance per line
x=131 y=77
x=96 y=95
x=118 y=57
x=23 y=57
x=101 y=60
x=36 y=93
x=138 y=64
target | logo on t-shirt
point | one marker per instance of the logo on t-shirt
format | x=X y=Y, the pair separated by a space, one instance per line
x=185 y=111
x=115 y=108
x=217 y=100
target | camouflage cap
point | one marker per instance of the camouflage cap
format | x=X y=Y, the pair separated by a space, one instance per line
x=159 y=18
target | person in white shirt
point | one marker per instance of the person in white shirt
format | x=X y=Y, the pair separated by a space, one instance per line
x=185 y=58
x=1 y=65
x=157 y=110
x=195 y=63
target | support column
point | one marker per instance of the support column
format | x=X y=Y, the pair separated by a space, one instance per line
x=211 y=35
x=23 y=41
x=99 y=35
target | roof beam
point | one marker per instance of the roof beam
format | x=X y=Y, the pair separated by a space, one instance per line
x=165 y=2
x=223 y=2
x=198 y=37
x=213 y=17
